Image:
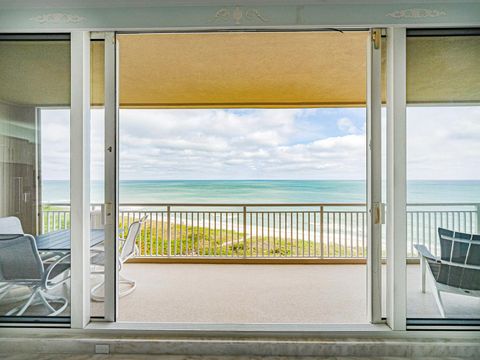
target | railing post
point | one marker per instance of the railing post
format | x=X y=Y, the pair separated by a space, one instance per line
x=169 y=242
x=321 y=232
x=244 y=231
x=102 y=215
x=477 y=207
x=41 y=227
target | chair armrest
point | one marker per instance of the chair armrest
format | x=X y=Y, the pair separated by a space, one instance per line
x=424 y=252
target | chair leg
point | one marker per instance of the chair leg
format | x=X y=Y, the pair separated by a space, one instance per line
x=131 y=283
x=435 y=291
x=122 y=281
x=45 y=302
x=424 y=273
x=48 y=298
x=43 y=298
x=18 y=311
x=438 y=300
x=93 y=291
x=5 y=290
x=66 y=275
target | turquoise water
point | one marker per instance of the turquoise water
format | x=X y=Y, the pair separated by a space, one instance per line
x=264 y=191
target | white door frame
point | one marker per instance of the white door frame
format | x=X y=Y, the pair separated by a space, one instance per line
x=111 y=178
x=396 y=179
x=374 y=176
x=80 y=179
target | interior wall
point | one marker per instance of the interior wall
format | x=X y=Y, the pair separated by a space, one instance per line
x=18 y=188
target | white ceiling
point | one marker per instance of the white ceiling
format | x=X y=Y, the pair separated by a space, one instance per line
x=43 y=4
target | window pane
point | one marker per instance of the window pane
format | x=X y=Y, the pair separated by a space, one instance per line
x=443 y=171
x=34 y=180
x=97 y=176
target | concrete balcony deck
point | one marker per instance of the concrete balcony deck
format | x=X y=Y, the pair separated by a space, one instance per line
x=220 y=293
x=252 y=294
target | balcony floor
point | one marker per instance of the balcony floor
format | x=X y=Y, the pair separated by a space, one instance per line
x=219 y=293
x=245 y=293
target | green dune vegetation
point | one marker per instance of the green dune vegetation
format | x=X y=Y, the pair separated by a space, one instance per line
x=204 y=241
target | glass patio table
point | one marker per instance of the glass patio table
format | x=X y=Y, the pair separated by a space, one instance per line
x=60 y=240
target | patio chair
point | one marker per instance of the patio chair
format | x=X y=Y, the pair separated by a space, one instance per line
x=457 y=270
x=21 y=266
x=128 y=249
x=10 y=225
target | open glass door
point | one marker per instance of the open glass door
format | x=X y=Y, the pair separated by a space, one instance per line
x=103 y=177
x=375 y=206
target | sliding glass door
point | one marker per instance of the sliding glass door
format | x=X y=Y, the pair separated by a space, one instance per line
x=35 y=178
x=443 y=167
x=103 y=211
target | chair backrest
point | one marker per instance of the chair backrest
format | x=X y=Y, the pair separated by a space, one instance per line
x=10 y=225
x=128 y=248
x=19 y=258
x=461 y=251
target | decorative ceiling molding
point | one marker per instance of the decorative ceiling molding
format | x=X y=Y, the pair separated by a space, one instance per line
x=57 y=18
x=416 y=13
x=239 y=15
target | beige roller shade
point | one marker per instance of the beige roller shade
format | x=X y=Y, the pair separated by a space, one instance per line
x=301 y=69
x=297 y=69
x=35 y=72
x=443 y=69
x=97 y=72
x=38 y=73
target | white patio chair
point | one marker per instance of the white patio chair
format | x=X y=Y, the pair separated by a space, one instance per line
x=457 y=270
x=128 y=249
x=21 y=266
x=10 y=225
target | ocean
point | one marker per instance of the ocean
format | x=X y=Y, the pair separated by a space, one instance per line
x=264 y=191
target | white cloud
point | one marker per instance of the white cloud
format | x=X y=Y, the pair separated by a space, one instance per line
x=221 y=144
x=443 y=143
x=347 y=125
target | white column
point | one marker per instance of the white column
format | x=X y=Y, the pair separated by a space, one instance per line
x=374 y=176
x=111 y=179
x=80 y=178
x=396 y=178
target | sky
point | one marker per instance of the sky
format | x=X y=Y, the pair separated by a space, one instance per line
x=443 y=143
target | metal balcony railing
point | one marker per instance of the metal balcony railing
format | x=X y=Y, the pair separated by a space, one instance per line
x=320 y=231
